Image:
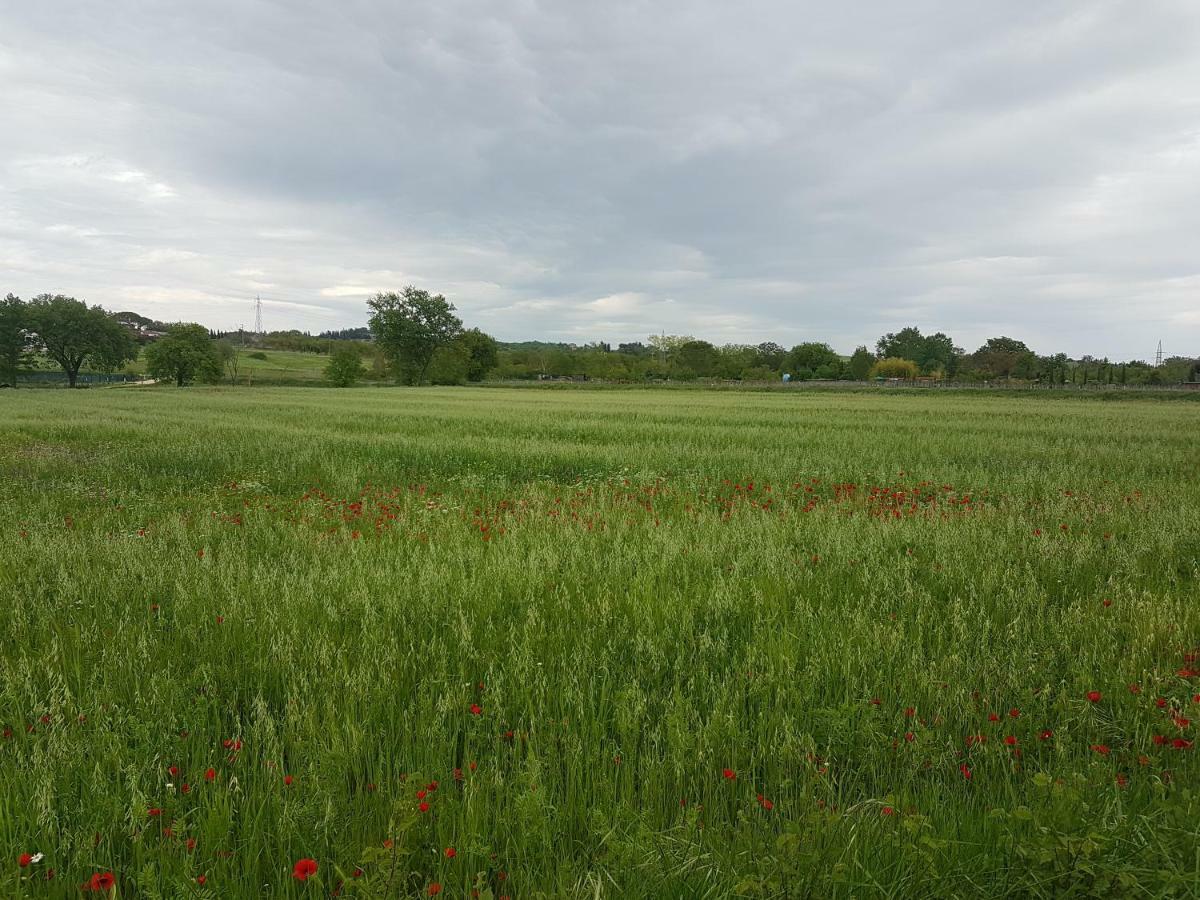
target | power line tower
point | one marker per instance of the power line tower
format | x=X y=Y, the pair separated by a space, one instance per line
x=1158 y=356
x=258 y=315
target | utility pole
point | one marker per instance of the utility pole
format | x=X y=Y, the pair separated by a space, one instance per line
x=1158 y=356
x=258 y=329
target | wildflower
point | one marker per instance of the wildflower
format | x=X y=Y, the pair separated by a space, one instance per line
x=909 y=736
x=476 y=709
x=966 y=771
x=201 y=879
x=888 y=811
x=287 y=780
x=191 y=844
x=451 y=853
x=423 y=806
x=1160 y=739
x=434 y=889
x=1181 y=744
x=422 y=794
x=185 y=788
x=173 y=771
x=388 y=843
x=100 y=881
x=154 y=811
x=1161 y=702
x=220 y=620
x=1046 y=734
x=1094 y=696
x=1014 y=713
x=357 y=873
x=1135 y=689
x=24 y=860
x=729 y=774
x=1102 y=749
x=210 y=774
x=1106 y=602
x=1122 y=779
x=993 y=717
x=909 y=712
x=304 y=869
x=1011 y=740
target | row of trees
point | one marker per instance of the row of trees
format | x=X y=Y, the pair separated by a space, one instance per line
x=415 y=337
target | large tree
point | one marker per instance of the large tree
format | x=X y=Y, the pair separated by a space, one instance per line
x=72 y=333
x=185 y=353
x=1003 y=357
x=14 y=338
x=860 y=364
x=410 y=326
x=482 y=353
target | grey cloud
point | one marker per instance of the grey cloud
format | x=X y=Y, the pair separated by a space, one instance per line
x=599 y=171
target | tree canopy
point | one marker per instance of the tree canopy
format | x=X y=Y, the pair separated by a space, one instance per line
x=185 y=353
x=72 y=333
x=410 y=326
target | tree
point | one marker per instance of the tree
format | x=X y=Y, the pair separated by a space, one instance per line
x=345 y=366
x=933 y=352
x=410 y=326
x=697 y=359
x=231 y=358
x=72 y=333
x=184 y=353
x=1003 y=357
x=894 y=367
x=769 y=355
x=860 y=364
x=14 y=338
x=482 y=353
x=805 y=359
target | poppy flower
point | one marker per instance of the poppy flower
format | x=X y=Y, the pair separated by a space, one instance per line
x=1181 y=744
x=909 y=712
x=1135 y=689
x=1014 y=713
x=388 y=843
x=451 y=853
x=185 y=788
x=423 y=806
x=201 y=879
x=100 y=881
x=1094 y=696
x=422 y=794
x=993 y=717
x=434 y=889
x=476 y=710
x=24 y=860
x=1160 y=739
x=909 y=736
x=357 y=873
x=887 y=811
x=287 y=780
x=154 y=811
x=173 y=771
x=1102 y=749
x=1046 y=735
x=966 y=771
x=729 y=774
x=1011 y=740
x=210 y=774
x=304 y=869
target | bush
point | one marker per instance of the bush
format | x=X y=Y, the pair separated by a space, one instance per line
x=345 y=366
x=894 y=367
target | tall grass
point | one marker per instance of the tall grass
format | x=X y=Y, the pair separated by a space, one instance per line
x=574 y=611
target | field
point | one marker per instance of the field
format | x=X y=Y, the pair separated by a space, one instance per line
x=540 y=643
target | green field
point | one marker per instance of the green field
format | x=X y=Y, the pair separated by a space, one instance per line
x=600 y=643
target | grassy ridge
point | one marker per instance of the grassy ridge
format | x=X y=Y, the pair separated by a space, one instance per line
x=826 y=594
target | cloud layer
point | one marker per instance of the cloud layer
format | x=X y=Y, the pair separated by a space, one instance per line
x=742 y=172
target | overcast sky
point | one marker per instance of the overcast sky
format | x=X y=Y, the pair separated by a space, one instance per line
x=599 y=171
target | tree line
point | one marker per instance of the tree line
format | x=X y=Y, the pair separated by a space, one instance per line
x=415 y=337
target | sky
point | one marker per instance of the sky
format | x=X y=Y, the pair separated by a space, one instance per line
x=573 y=171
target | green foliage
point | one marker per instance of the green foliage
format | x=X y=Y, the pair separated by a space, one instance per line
x=72 y=334
x=409 y=327
x=14 y=338
x=185 y=353
x=345 y=366
x=859 y=367
x=895 y=368
x=257 y=354
x=695 y=359
x=482 y=353
x=932 y=353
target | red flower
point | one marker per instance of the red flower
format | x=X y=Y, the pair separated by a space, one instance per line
x=1181 y=744
x=476 y=709
x=1106 y=602
x=357 y=873
x=210 y=775
x=154 y=811
x=729 y=774
x=1135 y=689
x=909 y=712
x=1160 y=739
x=887 y=811
x=201 y=879
x=1161 y=702
x=1102 y=749
x=423 y=806
x=966 y=771
x=451 y=853
x=24 y=860
x=388 y=843
x=1014 y=713
x=101 y=881
x=220 y=620
x=1094 y=696
x=1046 y=735
x=304 y=869
x=993 y=717
x=287 y=780
x=434 y=889
x=185 y=788
x=173 y=771
x=909 y=736
x=421 y=794
x=1011 y=740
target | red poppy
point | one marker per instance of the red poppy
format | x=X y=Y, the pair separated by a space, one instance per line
x=24 y=860
x=421 y=794
x=357 y=873
x=1161 y=702
x=100 y=881
x=910 y=711
x=1102 y=749
x=191 y=844
x=1014 y=713
x=451 y=853
x=434 y=889
x=185 y=788
x=201 y=879
x=729 y=774
x=1046 y=735
x=1160 y=739
x=173 y=771
x=1181 y=744
x=388 y=843
x=966 y=771
x=476 y=709
x=210 y=774
x=423 y=806
x=887 y=811
x=287 y=780
x=1094 y=696
x=909 y=736
x=1011 y=740
x=993 y=717
x=154 y=811
x=1135 y=689
x=304 y=869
